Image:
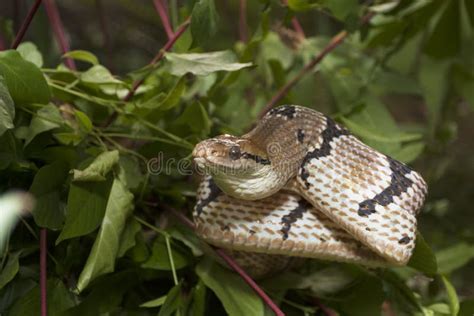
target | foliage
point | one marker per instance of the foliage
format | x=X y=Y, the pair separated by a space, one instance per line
x=403 y=83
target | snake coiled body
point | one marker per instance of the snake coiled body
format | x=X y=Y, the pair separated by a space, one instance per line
x=299 y=184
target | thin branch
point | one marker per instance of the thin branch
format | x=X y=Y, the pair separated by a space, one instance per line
x=58 y=29
x=296 y=24
x=162 y=10
x=26 y=23
x=335 y=41
x=243 y=33
x=326 y=310
x=155 y=60
x=43 y=271
x=233 y=264
x=297 y=27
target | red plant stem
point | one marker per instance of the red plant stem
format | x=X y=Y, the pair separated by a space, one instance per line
x=43 y=271
x=159 y=56
x=297 y=26
x=155 y=60
x=233 y=264
x=243 y=21
x=26 y=23
x=326 y=310
x=335 y=41
x=162 y=10
x=266 y=299
x=58 y=29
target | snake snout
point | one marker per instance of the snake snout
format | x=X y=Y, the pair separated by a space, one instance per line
x=199 y=151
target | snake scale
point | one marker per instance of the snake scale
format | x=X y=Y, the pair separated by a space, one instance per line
x=301 y=185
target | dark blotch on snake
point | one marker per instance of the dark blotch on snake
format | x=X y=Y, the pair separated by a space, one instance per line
x=293 y=216
x=399 y=183
x=256 y=158
x=404 y=241
x=214 y=192
x=288 y=111
x=330 y=133
x=300 y=135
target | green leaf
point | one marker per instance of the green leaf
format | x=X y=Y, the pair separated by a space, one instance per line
x=467 y=306
x=129 y=172
x=342 y=8
x=173 y=301
x=452 y=296
x=195 y=116
x=199 y=299
x=155 y=303
x=173 y=97
x=204 y=21
x=376 y=135
x=45 y=119
x=82 y=55
x=423 y=258
x=454 y=257
x=464 y=84
x=445 y=40
x=10 y=269
x=59 y=299
x=106 y=246
x=127 y=239
x=7 y=108
x=236 y=296
x=10 y=149
x=30 y=52
x=47 y=187
x=470 y=10
x=159 y=256
x=410 y=152
x=84 y=121
x=98 y=74
x=433 y=81
x=12 y=205
x=99 y=168
x=202 y=64
x=359 y=303
x=24 y=80
x=85 y=208
x=303 y=5
x=326 y=281
x=107 y=293
x=398 y=292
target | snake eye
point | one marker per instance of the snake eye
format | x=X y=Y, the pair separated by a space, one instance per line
x=234 y=152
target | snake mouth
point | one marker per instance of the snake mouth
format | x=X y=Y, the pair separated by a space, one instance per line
x=201 y=162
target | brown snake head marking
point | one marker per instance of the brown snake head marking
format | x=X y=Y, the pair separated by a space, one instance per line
x=229 y=154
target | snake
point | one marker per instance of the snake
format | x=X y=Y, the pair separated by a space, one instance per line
x=300 y=185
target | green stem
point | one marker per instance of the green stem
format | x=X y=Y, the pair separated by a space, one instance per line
x=100 y=101
x=5 y=252
x=171 y=136
x=152 y=227
x=144 y=137
x=170 y=257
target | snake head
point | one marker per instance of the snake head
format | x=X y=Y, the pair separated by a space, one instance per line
x=238 y=167
x=227 y=153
